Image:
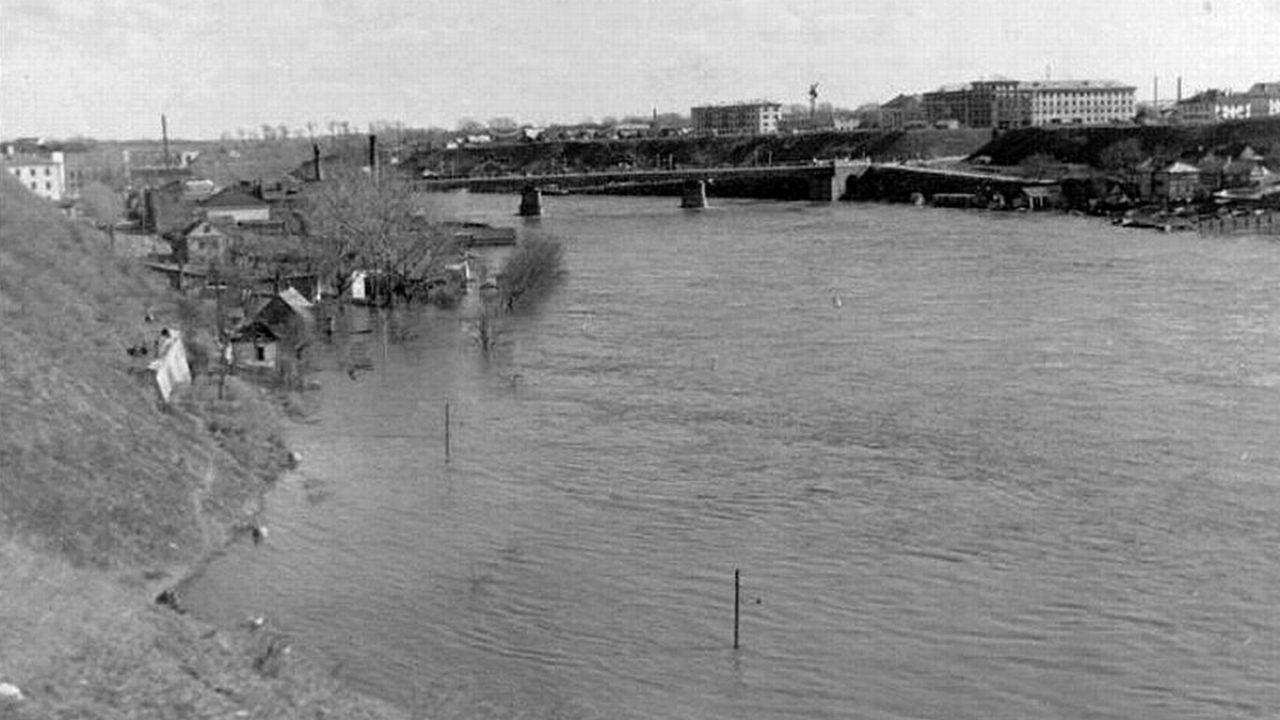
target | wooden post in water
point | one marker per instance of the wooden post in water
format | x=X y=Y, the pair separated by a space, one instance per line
x=693 y=195
x=446 y=431
x=737 y=602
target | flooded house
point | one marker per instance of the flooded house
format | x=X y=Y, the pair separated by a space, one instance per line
x=276 y=336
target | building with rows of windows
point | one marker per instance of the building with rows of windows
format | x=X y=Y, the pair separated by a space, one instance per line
x=1016 y=103
x=1262 y=100
x=750 y=118
x=44 y=175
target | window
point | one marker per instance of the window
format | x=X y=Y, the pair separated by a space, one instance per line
x=48 y=186
x=260 y=353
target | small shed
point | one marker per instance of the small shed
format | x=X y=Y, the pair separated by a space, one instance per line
x=282 y=328
x=255 y=345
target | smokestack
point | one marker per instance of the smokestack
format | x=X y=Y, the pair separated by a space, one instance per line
x=1179 y=96
x=373 y=153
x=315 y=155
x=164 y=134
x=1155 y=91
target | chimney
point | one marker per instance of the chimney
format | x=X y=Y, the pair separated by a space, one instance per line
x=315 y=155
x=373 y=153
x=164 y=133
x=1179 y=95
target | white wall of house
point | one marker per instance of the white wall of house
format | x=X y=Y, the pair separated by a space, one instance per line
x=46 y=177
x=244 y=214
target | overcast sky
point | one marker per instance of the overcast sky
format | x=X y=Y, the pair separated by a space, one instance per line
x=109 y=68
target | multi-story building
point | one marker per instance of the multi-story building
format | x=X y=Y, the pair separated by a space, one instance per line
x=758 y=117
x=44 y=175
x=1078 y=102
x=1015 y=103
x=1261 y=100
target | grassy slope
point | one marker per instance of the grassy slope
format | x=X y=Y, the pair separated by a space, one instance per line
x=104 y=498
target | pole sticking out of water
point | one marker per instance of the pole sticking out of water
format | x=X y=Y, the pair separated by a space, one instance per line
x=737 y=597
x=446 y=431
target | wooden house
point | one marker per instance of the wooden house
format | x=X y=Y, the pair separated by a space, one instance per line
x=1178 y=181
x=206 y=242
x=277 y=335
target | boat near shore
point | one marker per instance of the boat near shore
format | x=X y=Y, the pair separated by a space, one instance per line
x=1162 y=221
x=477 y=234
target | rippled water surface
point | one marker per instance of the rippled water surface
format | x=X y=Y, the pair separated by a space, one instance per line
x=970 y=465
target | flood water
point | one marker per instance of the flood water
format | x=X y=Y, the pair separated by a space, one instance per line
x=970 y=465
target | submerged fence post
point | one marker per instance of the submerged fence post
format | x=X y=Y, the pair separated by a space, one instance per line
x=737 y=595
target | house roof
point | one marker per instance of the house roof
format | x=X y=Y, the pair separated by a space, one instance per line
x=295 y=300
x=1270 y=89
x=204 y=228
x=255 y=330
x=283 y=309
x=232 y=197
x=1248 y=153
x=27 y=159
x=1075 y=85
x=903 y=101
x=1181 y=168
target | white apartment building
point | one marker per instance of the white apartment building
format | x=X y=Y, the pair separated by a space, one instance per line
x=1261 y=100
x=44 y=176
x=1079 y=102
x=759 y=117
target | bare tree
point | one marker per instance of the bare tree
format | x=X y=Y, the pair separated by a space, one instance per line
x=502 y=124
x=381 y=225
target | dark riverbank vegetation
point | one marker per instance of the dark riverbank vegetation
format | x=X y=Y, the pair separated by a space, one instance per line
x=108 y=496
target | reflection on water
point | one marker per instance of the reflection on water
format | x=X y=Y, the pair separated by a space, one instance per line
x=1025 y=467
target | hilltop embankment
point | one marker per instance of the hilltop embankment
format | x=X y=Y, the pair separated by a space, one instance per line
x=1105 y=147
x=106 y=497
x=1109 y=146
x=683 y=152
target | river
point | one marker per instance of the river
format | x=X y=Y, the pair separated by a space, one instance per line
x=970 y=465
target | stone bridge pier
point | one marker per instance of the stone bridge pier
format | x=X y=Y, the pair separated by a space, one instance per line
x=830 y=181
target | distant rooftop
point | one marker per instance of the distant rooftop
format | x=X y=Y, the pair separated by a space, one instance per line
x=1040 y=85
x=20 y=158
x=1075 y=85
x=743 y=103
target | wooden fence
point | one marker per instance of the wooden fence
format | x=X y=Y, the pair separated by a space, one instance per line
x=1266 y=222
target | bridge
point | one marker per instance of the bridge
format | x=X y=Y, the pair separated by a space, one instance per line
x=818 y=181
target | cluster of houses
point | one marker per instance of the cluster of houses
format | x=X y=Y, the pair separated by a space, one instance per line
x=1241 y=177
x=585 y=132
